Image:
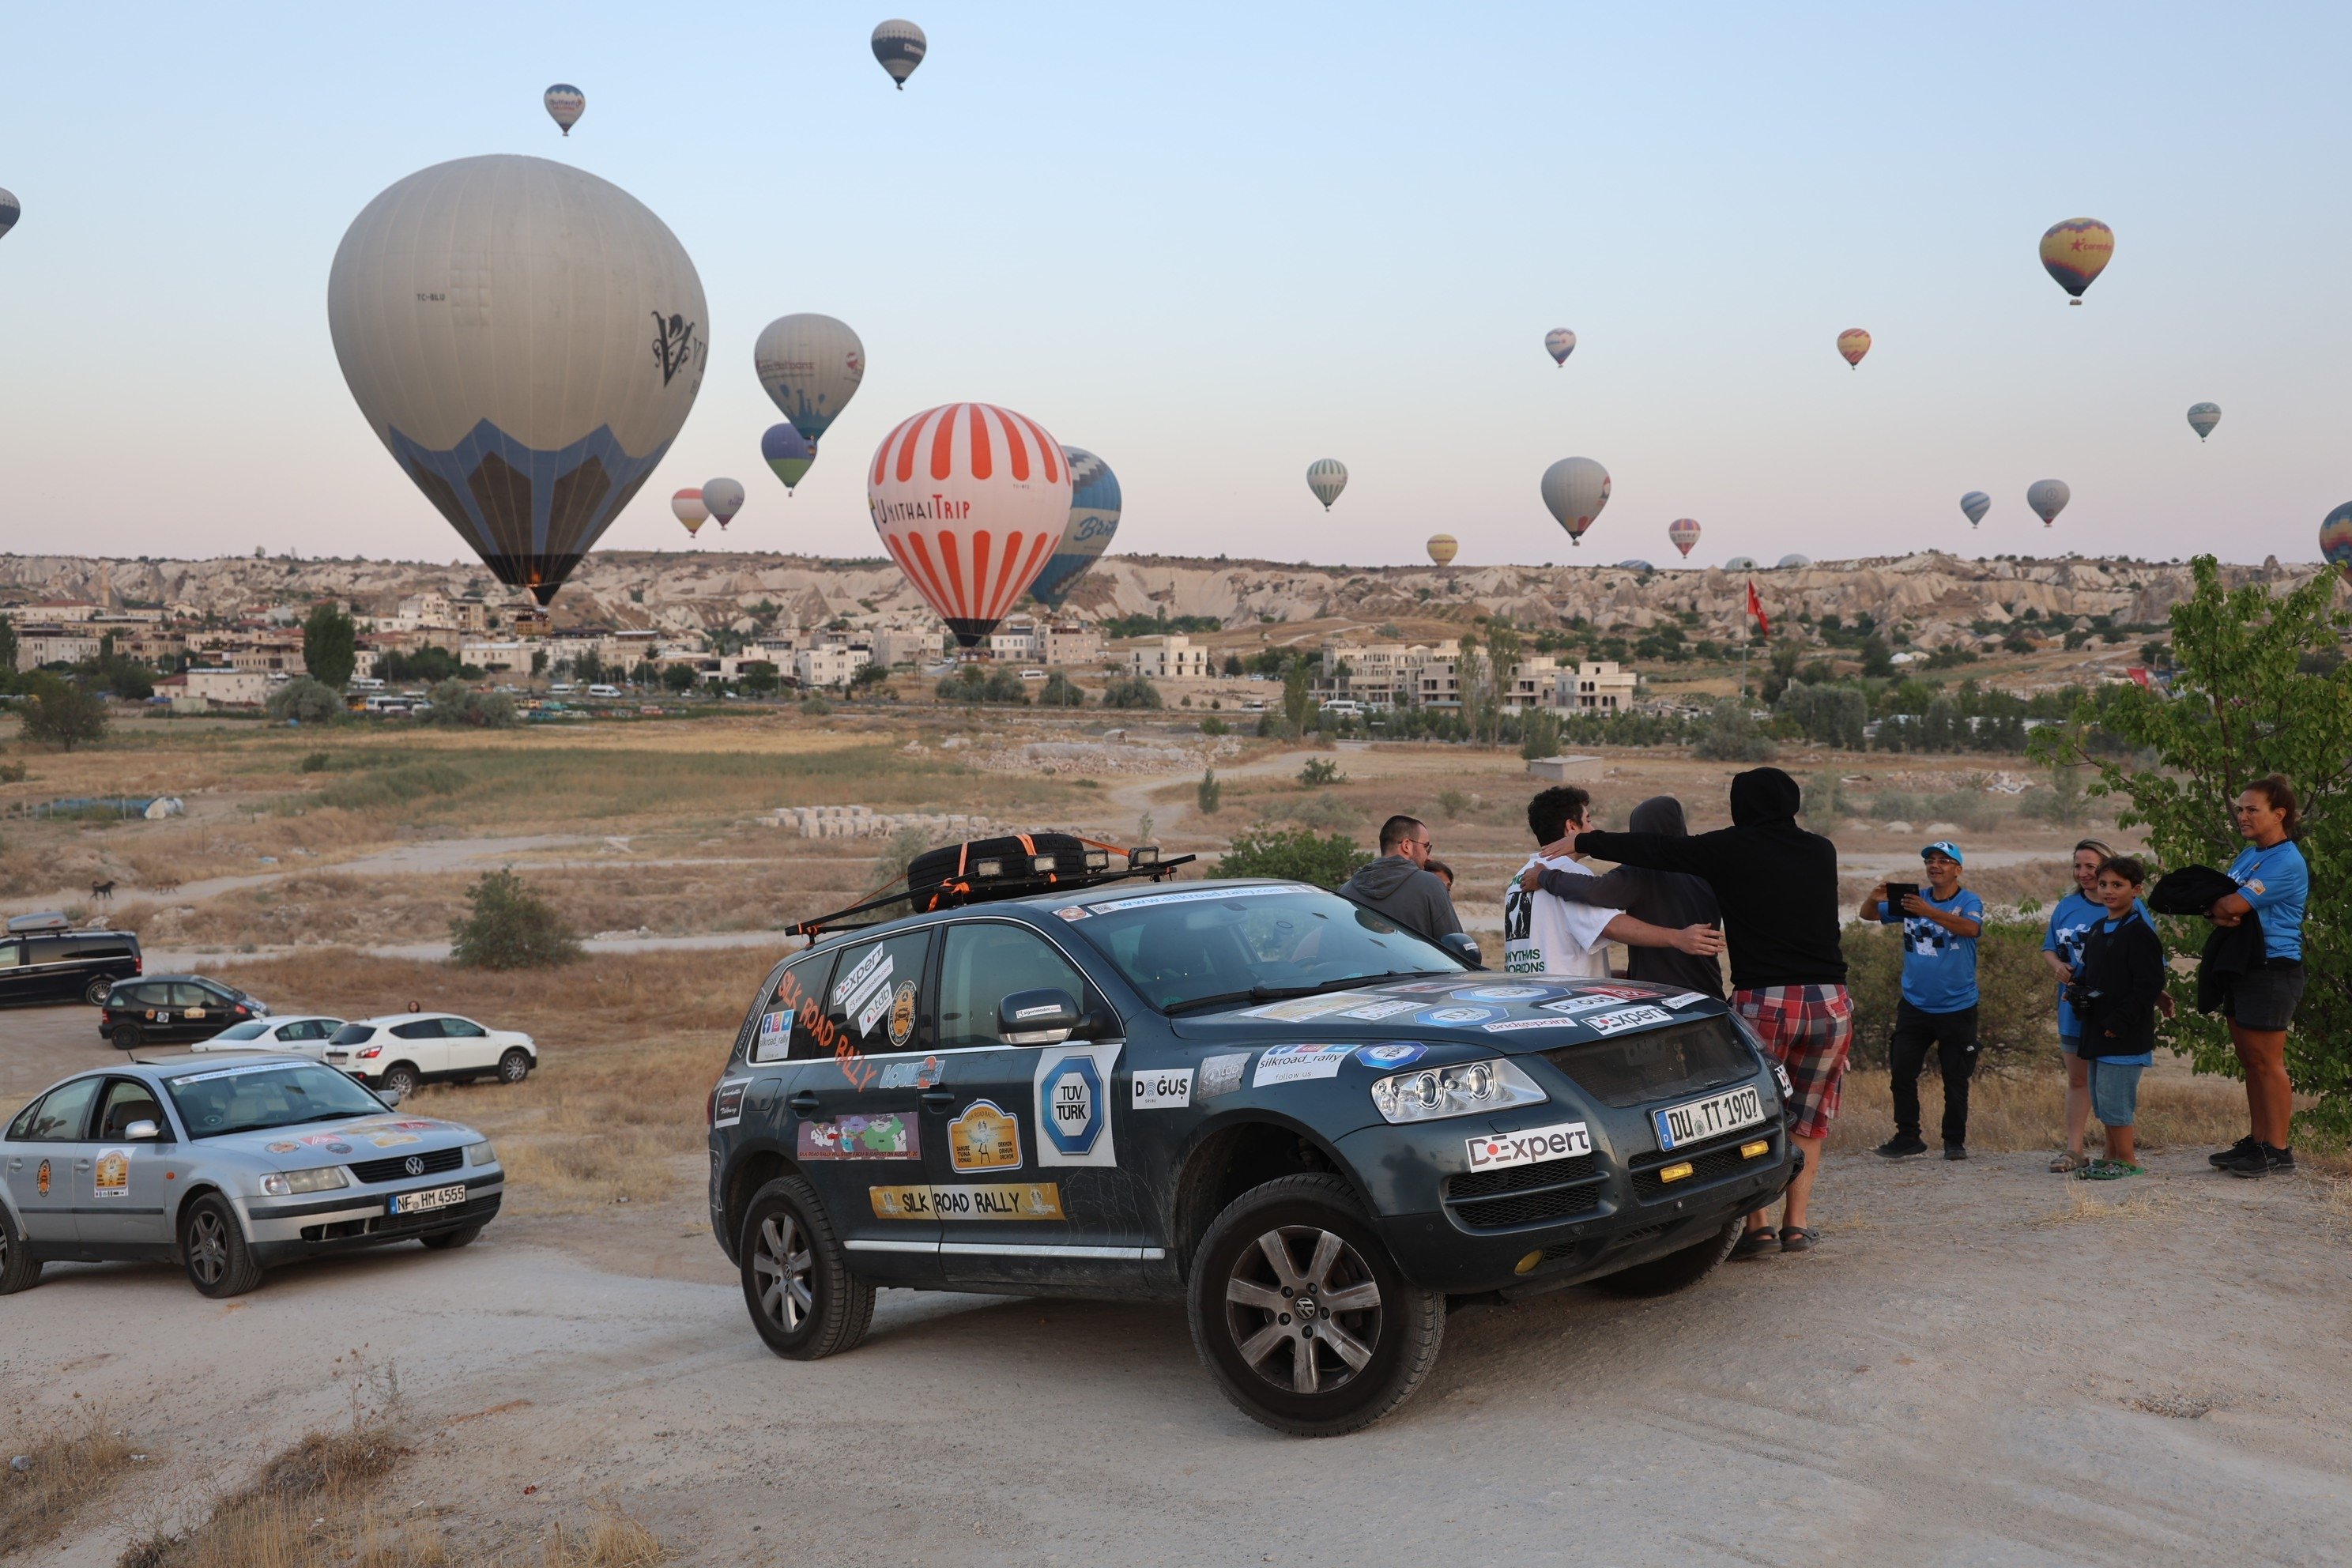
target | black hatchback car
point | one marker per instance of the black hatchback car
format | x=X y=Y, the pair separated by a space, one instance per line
x=1316 y=1128
x=172 y=1009
x=41 y=962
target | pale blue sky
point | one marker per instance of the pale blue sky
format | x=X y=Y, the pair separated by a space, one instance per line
x=1215 y=242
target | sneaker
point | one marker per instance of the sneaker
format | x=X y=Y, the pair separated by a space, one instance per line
x=2263 y=1161
x=1956 y=1151
x=2222 y=1157
x=1902 y=1146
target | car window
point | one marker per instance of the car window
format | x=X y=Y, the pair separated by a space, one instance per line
x=1178 y=947
x=418 y=1030
x=153 y=996
x=126 y=1100
x=791 y=1013
x=462 y=1029
x=58 y=1116
x=185 y=994
x=246 y=1031
x=985 y=962
x=12 y=953
x=876 y=1000
x=309 y=1029
x=267 y=1094
x=353 y=1035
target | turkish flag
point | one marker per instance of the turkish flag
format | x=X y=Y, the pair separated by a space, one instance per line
x=1756 y=609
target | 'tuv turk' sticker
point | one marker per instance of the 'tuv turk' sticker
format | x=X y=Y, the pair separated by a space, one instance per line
x=1009 y=1200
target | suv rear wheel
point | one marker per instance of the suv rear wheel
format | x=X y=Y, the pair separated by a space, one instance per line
x=399 y=1077
x=796 y=1280
x=1302 y=1316
x=96 y=991
x=1676 y=1270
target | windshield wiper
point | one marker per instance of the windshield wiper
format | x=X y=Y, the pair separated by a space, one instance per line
x=1277 y=993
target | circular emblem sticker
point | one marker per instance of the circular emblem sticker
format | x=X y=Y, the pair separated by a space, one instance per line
x=1401 y=1054
x=1460 y=1014
x=902 y=1014
x=1504 y=993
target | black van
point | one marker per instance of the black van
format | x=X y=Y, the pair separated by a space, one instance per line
x=44 y=960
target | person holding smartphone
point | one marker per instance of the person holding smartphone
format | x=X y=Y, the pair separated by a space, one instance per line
x=1941 y=924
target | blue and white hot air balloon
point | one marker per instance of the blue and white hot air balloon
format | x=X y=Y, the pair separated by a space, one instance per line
x=1327 y=476
x=565 y=105
x=1093 y=518
x=10 y=210
x=1976 y=504
x=525 y=340
x=900 y=47
x=2203 y=417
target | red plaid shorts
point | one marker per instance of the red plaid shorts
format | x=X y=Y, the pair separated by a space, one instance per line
x=1809 y=1030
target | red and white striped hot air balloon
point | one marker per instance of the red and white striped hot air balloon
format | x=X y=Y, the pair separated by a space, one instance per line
x=970 y=500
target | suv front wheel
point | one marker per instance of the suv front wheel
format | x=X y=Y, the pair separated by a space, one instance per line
x=796 y=1280
x=96 y=991
x=1302 y=1316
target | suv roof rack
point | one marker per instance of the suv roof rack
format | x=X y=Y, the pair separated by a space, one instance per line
x=989 y=870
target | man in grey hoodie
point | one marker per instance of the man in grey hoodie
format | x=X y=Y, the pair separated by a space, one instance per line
x=1399 y=884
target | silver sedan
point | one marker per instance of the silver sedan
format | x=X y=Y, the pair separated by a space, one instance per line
x=229 y=1166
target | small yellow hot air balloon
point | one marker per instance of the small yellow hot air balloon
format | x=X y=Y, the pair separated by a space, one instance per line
x=1853 y=342
x=2075 y=252
x=1444 y=548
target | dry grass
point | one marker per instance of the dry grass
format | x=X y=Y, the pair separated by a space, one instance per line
x=70 y=1469
x=2025 y=1107
x=630 y=1046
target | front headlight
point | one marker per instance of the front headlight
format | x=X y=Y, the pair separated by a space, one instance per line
x=1434 y=1092
x=480 y=1154
x=286 y=1184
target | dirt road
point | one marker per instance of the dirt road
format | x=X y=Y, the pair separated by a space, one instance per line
x=1983 y=1364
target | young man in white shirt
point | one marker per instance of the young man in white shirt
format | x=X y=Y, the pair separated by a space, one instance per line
x=1547 y=935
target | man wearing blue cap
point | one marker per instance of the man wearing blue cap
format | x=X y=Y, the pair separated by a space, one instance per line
x=1941 y=924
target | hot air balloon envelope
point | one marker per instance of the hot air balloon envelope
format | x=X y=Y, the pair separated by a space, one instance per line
x=2336 y=539
x=1792 y=560
x=969 y=499
x=811 y=366
x=1976 y=504
x=1575 y=489
x=687 y=507
x=1560 y=343
x=900 y=47
x=565 y=105
x=1327 y=476
x=2076 y=251
x=525 y=340
x=2048 y=498
x=1093 y=518
x=2203 y=417
x=787 y=451
x=10 y=210
x=1853 y=343
x=724 y=497
x=1442 y=548
x=1683 y=532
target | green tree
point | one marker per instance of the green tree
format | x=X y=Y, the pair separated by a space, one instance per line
x=60 y=714
x=1538 y=734
x=1730 y=734
x=8 y=647
x=1877 y=659
x=2241 y=708
x=1829 y=715
x=1211 y=794
x=459 y=706
x=330 y=646
x=305 y=700
x=1297 y=853
x=511 y=928
x=1297 y=696
x=679 y=678
x=1130 y=692
x=1061 y=691
x=759 y=677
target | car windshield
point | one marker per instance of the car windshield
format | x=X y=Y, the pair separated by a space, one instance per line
x=242 y=1031
x=1186 y=947
x=267 y=1094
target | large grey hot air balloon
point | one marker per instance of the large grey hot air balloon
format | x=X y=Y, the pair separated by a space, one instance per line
x=1575 y=489
x=2203 y=417
x=1327 y=476
x=900 y=47
x=10 y=210
x=811 y=366
x=1975 y=504
x=525 y=340
x=2048 y=498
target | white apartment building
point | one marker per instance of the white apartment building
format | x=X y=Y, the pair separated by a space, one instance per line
x=230 y=687
x=37 y=646
x=1595 y=686
x=1017 y=641
x=1170 y=658
x=907 y=645
x=1378 y=675
x=829 y=666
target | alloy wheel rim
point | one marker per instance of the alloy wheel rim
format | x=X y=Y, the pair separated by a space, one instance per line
x=785 y=1269
x=209 y=1255
x=1304 y=1309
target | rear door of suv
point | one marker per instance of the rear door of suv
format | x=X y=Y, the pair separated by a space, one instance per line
x=421 y=1044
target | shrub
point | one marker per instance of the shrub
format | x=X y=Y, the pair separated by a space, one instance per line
x=977 y=683
x=303 y=701
x=1730 y=734
x=458 y=705
x=1061 y=691
x=329 y=646
x=1825 y=803
x=1296 y=854
x=1315 y=810
x=2016 y=1009
x=1131 y=691
x=815 y=706
x=1540 y=736
x=317 y=763
x=678 y=677
x=1210 y=795
x=1321 y=771
x=511 y=928
x=1453 y=803
x=1826 y=715
x=1212 y=725
x=60 y=714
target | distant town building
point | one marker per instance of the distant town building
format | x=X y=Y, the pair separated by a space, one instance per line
x=895 y=645
x=1596 y=687
x=1170 y=658
x=40 y=644
x=1072 y=643
x=224 y=688
x=824 y=666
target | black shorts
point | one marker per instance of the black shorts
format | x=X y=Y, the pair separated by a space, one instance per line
x=2265 y=998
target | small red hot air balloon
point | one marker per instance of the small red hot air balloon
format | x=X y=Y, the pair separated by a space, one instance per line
x=1853 y=342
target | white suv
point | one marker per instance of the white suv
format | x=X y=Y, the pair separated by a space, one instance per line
x=400 y=1050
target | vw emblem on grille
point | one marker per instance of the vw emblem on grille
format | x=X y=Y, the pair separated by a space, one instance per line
x=413 y=1164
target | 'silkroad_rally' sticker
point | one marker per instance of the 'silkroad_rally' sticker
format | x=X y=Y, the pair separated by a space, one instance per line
x=1007 y=1201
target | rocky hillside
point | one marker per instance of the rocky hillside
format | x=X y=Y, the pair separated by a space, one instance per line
x=1935 y=594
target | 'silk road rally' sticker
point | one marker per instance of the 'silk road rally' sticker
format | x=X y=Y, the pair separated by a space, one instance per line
x=1011 y=1200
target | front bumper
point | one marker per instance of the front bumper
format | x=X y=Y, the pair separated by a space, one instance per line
x=280 y=1230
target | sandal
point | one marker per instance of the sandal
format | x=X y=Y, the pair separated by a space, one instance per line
x=2109 y=1170
x=2065 y=1163
x=1798 y=1237
x=1755 y=1243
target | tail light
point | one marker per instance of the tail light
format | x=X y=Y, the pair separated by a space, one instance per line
x=371 y=1053
x=710 y=1108
x=138 y=964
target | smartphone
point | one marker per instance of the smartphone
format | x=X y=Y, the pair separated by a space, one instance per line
x=1896 y=893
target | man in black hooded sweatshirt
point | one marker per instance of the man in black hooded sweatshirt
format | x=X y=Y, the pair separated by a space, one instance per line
x=1778 y=885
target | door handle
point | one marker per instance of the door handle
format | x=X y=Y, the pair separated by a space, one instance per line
x=940 y=1099
x=806 y=1102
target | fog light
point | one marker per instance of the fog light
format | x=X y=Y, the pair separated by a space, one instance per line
x=1675 y=1172
x=1528 y=1265
x=1750 y=1151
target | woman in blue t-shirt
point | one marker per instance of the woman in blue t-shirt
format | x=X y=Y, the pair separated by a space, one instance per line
x=2061 y=947
x=2273 y=883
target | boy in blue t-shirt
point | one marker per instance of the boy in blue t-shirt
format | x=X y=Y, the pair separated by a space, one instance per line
x=1940 y=926
x=2071 y=923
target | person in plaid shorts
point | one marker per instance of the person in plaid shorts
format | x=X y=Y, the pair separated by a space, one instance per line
x=1778 y=887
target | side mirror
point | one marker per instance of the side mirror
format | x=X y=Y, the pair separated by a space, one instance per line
x=143 y=1131
x=1036 y=1018
x=1463 y=946
x=390 y=1097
